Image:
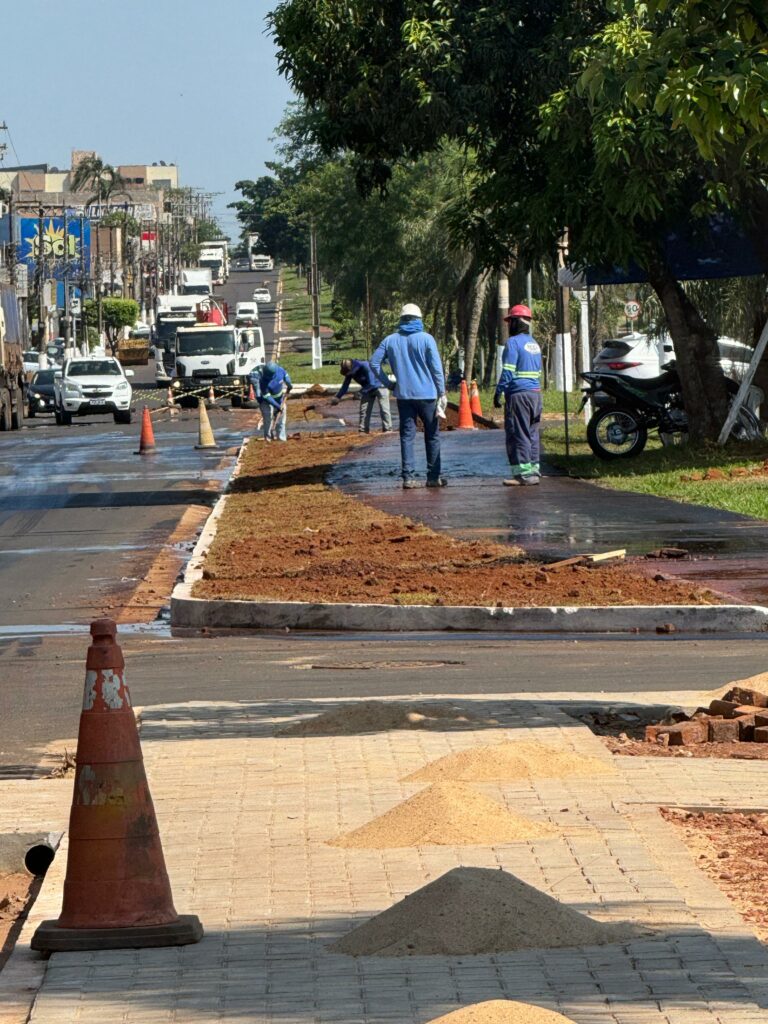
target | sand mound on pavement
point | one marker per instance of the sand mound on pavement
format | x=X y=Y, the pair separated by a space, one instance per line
x=380 y=716
x=510 y=761
x=476 y=910
x=502 y=1011
x=444 y=814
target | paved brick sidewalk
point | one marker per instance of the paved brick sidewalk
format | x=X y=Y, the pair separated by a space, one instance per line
x=245 y=815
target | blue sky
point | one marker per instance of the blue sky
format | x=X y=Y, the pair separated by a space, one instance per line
x=186 y=81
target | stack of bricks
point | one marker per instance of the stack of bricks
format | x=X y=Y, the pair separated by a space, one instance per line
x=741 y=716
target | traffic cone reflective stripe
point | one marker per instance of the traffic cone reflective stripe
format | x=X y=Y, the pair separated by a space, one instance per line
x=474 y=400
x=206 y=438
x=116 y=893
x=147 y=439
x=465 y=412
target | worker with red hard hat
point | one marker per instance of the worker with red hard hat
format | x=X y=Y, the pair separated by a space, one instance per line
x=519 y=388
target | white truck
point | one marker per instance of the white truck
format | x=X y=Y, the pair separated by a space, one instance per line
x=92 y=387
x=260 y=261
x=173 y=311
x=197 y=281
x=212 y=356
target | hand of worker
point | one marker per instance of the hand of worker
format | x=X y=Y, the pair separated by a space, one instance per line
x=497 y=400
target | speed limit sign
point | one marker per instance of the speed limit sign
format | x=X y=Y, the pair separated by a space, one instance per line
x=632 y=309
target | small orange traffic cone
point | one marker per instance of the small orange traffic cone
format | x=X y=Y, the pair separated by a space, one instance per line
x=116 y=893
x=251 y=394
x=147 y=439
x=170 y=400
x=465 y=412
x=211 y=396
x=474 y=399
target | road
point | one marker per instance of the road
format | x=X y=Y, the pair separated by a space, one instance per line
x=88 y=527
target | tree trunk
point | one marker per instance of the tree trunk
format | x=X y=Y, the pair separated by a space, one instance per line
x=473 y=326
x=698 y=360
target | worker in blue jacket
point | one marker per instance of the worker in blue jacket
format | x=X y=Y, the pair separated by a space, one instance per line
x=413 y=358
x=371 y=391
x=519 y=387
x=271 y=385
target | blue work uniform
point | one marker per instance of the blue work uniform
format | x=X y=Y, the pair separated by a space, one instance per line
x=371 y=392
x=520 y=383
x=270 y=388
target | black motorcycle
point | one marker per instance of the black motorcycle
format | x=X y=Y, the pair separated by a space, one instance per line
x=626 y=408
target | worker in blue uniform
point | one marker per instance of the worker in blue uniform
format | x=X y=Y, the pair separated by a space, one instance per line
x=271 y=385
x=371 y=391
x=519 y=388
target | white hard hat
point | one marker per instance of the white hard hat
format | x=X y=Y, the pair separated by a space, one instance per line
x=410 y=309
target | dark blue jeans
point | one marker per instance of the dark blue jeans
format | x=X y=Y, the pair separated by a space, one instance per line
x=410 y=410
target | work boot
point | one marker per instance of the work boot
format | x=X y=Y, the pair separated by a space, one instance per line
x=439 y=482
x=410 y=484
x=529 y=480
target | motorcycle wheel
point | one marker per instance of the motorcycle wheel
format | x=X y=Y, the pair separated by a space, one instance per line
x=616 y=432
x=747 y=426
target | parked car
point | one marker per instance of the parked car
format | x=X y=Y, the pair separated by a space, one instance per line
x=637 y=355
x=246 y=314
x=92 y=387
x=31 y=361
x=40 y=393
x=262 y=295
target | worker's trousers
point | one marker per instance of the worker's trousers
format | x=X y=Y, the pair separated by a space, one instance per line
x=522 y=423
x=268 y=412
x=409 y=411
x=367 y=402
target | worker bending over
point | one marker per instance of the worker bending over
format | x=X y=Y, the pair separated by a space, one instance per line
x=371 y=391
x=271 y=385
x=520 y=387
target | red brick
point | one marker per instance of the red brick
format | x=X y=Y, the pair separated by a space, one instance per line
x=652 y=732
x=746 y=728
x=687 y=733
x=745 y=709
x=722 y=707
x=761 y=719
x=761 y=734
x=744 y=696
x=723 y=730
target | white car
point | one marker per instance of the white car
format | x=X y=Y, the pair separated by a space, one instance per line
x=262 y=295
x=31 y=361
x=246 y=314
x=637 y=355
x=92 y=387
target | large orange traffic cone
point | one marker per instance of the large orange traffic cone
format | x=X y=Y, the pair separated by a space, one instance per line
x=206 y=438
x=116 y=893
x=465 y=412
x=474 y=399
x=147 y=439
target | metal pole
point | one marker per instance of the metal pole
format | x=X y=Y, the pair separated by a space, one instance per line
x=317 y=345
x=743 y=391
x=502 y=299
x=561 y=318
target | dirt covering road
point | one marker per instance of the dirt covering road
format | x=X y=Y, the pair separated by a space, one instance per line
x=286 y=536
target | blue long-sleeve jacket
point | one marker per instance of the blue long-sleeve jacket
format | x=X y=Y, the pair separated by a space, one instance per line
x=270 y=386
x=362 y=374
x=415 y=362
x=521 y=366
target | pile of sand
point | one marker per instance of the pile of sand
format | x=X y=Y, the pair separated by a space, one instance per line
x=517 y=760
x=502 y=1011
x=380 y=716
x=444 y=814
x=758 y=682
x=476 y=910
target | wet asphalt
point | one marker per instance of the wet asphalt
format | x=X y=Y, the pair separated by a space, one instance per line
x=82 y=518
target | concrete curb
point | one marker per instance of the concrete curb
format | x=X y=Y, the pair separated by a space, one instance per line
x=188 y=612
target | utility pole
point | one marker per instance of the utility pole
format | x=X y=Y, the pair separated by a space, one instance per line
x=67 y=321
x=563 y=349
x=314 y=284
x=502 y=300
x=40 y=275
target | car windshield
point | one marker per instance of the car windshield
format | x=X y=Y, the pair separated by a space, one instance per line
x=43 y=377
x=94 y=368
x=199 y=343
x=31 y=357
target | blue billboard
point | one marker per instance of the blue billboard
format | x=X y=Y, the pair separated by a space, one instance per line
x=65 y=248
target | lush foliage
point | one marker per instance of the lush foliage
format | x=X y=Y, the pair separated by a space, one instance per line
x=115 y=313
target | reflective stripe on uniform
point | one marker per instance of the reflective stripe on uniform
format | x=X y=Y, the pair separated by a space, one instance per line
x=509 y=366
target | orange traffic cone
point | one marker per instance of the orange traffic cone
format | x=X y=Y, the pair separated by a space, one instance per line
x=251 y=394
x=465 y=413
x=147 y=439
x=211 y=396
x=169 y=399
x=116 y=893
x=474 y=399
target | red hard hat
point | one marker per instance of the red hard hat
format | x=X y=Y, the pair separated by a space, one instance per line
x=519 y=310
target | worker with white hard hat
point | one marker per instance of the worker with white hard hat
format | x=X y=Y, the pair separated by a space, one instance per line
x=419 y=383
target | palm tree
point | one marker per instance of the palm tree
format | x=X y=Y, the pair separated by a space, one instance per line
x=93 y=173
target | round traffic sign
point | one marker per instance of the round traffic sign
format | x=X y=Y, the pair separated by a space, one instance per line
x=632 y=309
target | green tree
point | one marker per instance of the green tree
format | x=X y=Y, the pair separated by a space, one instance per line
x=116 y=314
x=104 y=181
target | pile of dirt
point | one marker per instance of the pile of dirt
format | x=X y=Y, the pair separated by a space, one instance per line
x=285 y=536
x=444 y=814
x=516 y=760
x=726 y=473
x=468 y=911
x=732 y=848
x=381 y=716
x=502 y=1011
x=17 y=892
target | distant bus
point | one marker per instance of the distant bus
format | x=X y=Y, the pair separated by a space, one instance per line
x=261 y=262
